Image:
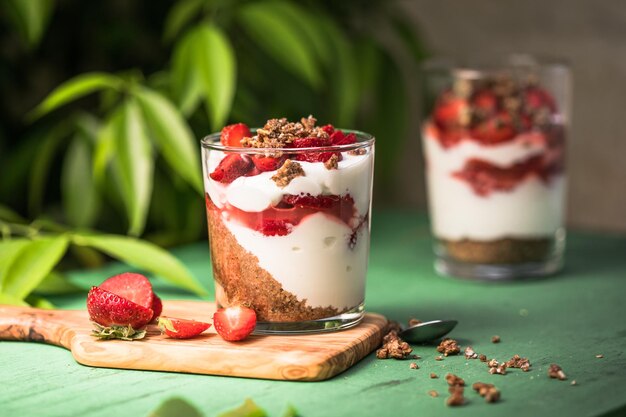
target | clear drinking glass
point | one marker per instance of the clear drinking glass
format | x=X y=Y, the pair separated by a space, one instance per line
x=494 y=142
x=294 y=249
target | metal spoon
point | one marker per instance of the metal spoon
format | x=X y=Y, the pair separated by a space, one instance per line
x=427 y=331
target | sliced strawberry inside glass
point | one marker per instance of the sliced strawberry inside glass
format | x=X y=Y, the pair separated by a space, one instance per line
x=340 y=138
x=268 y=163
x=233 y=134
x=274 y=227
x=232 y=167
x=497 y=129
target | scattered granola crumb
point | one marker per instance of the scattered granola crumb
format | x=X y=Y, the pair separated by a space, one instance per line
x=456 y=396
x=518 y=362
x=600 y=356
x=454 y=380
x=332 y=162
x=556 y=372
x=470 y=354
x=488 y=391
x=495 y=339
x=357 y=152
x=496 y=368
x=433 y=375
x=433 y=393
x=287 y=172
x=413 y=365
x=414 y=322
x=449 y=347
x=416 y=357
x=574 y=382
x=483 y=358
x=393 y=347
x=438 y=358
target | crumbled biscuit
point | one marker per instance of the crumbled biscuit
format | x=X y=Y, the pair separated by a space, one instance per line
x=483 y=358
x=332 y=162
x=357 y=152
x=433 y=375
x=600 y=356
x=449 y=347
x=573 y=382
x=495 y=339
x=288 y=172
x=518 y=362
x=414 y=322
x=470 y=354
x=454 y=380
x=488 y=391
x=413 y=365
x=555 y=371
x=279 y=133
x=433 y=393
x=456 y=396
x=393 y=347
x=496 y=368
x=438 y=358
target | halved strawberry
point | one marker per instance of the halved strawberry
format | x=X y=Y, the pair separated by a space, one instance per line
x=181 y=328
x=234 y=323
x=268 y=163
x=340 y=138
x=157 y=307
x=313 y=156
x=450 y=111
x=232 y=134
x=116 y=317
x=496 y=129
x=536 y=98
x=274 y=227
x=485 y=103
x=131 y=286
x=310 y=142
x=329 y=129
x=309 y=201
x=232 y=167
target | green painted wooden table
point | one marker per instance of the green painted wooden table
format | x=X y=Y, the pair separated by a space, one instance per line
x=567 y=319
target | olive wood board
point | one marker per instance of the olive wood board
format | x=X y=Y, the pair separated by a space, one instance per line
x=300 y=357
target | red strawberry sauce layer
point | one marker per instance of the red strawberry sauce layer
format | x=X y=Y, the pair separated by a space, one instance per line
x=279 y=220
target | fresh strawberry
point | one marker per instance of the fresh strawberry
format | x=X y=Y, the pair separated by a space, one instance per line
x=272 y=227
x=234 y=323
x=496 y=129
x=157 y=308
x=232 y=167
x=310 y=142
x=536 y=98
x=485 y=103
x=181 y=328
x=115 y=316
x=131 y=286
x=329 y=129
x=339 y=138
x=232 y=134
x=313 y=156
x=450 y=111
x=309 y=201
x=268 y=163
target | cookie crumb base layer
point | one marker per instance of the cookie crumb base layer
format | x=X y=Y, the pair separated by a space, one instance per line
x=501 y=259
x=239 y=280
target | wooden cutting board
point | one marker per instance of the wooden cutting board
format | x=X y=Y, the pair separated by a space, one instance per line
x=312 y=357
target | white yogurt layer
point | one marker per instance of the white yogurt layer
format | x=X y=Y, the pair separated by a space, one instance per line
x=314 y=261
x=531 y=209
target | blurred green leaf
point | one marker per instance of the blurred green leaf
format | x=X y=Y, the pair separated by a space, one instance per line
x=81 y=201
x=179 y=15
x=9 y=215
x=186 y=81
x=56 y=284
x=9 y=251
x=175 y=407
x=290 y=411
x=39 y=302
x=12 y=300
x=134 y=165
x=143 y=255
x=30 y=18
x=33 y=263
x=75 y=88
x=248 y=409
x=173 y=136
x=281 y=38
x=215 y=58
x=106 y=141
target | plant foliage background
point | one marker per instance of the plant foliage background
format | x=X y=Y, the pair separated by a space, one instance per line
x=103 y=104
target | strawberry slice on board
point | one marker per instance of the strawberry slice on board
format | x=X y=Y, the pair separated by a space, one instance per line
x=233 y=134
x=131 y=286
x=234 y=323
x=157 y=308
x=232 y=167
x=116 y=317
x=181 y=328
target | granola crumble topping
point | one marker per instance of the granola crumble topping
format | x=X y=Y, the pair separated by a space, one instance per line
x=449 y=347
x=288 y=172
x=332 y=162
x=556 y=372
x=393 y=347
x=357 y=152
x=279 y=133
x=496 y=368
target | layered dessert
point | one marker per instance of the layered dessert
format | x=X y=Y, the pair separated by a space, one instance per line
x=288 y=210
x=494 y=149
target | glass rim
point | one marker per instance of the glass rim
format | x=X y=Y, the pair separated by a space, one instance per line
x=364 y=140
x=497 y=63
